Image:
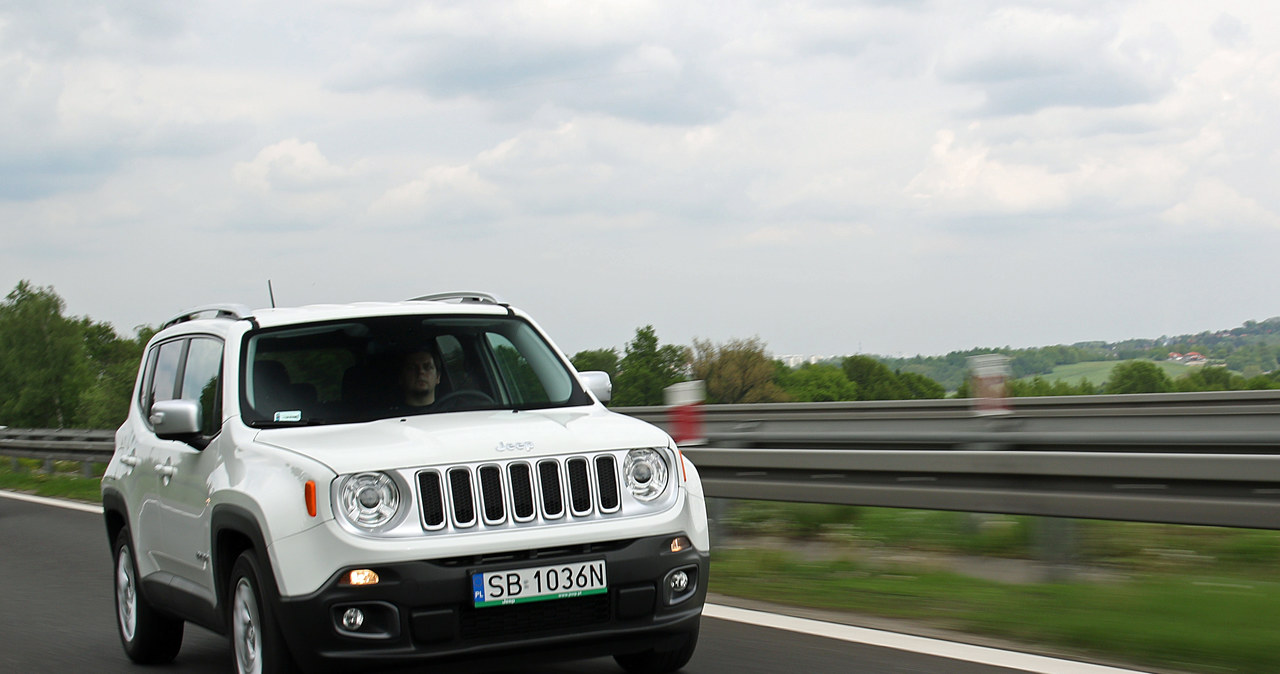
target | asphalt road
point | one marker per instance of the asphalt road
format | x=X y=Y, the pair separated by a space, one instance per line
x=57 y=615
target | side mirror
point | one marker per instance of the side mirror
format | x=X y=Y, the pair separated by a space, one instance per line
x=599 y=385
x=176 y=419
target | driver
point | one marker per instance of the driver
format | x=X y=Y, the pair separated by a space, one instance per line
x=419 y=376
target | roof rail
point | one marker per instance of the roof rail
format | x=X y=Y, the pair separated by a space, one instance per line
x=462 y=296
x=234 y=312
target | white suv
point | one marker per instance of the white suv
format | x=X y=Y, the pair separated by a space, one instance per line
x=389 y=484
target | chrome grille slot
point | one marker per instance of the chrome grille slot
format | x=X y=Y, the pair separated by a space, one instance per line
x=551 y=490
x=495 y=511
x=607 y=483
x=432 y=499
x=522 y=505
x=579 y=486
x=464 y=506
x=507 y=493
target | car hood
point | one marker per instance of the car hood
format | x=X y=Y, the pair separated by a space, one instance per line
x=461 y=437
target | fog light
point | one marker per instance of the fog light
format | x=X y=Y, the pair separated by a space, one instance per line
x=353 y=619
x=362 y=577
x=680 y=584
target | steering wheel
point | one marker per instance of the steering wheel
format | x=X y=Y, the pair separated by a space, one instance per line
x=451 y=401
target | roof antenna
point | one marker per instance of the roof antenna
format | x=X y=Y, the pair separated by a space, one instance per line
x=271 y=293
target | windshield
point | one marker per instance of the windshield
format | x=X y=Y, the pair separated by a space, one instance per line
x=390 y=366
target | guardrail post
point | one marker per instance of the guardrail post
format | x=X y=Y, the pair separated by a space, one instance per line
x=48 y=467
x=1055 y=543
x=717 y=511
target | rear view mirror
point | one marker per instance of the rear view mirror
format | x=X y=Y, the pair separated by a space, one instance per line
x=176 y=419
x=599 y=385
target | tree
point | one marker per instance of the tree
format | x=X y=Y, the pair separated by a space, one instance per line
x=874 y=379
x=737 y=371
x=920 y=387
x=43 y=369
x=647 y=368
x=112 y=364
x=814 y=383
x=1038 y=386
x=1209 y=378
x=1138 y=376
x=597 y=360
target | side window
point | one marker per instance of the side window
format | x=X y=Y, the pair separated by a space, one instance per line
x=201 y=381
x=164 y=376
x=144 y=391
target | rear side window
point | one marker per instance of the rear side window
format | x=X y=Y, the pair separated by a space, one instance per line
x=164 y=376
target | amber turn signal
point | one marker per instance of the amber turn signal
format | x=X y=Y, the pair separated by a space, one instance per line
x=309 y=493
x=362 y=577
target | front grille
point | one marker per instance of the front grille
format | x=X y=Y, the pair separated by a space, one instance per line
x=464 y=505
x=432 y=499
x=519 y=492
x=522 y=619
x=551 y=492
x=522 y=505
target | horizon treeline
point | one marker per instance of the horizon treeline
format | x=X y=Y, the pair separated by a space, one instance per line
x=741 y=370
x=58 y=371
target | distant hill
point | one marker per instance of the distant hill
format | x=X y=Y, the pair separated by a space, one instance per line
x=1251 y=349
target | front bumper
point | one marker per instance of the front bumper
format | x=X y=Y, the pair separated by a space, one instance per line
x=422 y=611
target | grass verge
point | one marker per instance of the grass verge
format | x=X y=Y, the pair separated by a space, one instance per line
x=66 y=481
x=1203 y=623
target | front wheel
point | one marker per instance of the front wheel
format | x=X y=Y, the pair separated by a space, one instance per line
x=149 y=637
x=256 y=641
x=659 y=662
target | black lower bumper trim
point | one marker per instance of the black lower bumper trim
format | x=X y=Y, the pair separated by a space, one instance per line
x=436 y=621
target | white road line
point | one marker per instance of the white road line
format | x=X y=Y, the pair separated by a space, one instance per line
x=903 y=642
x=57 y=502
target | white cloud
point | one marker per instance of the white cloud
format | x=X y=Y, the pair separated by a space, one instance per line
x=968 y=178
x=1213 y=206
x=765 y=158
x=289 y=166
x=450 y=194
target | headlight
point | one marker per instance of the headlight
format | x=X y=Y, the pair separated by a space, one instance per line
x=369 y=500
x=645 y=472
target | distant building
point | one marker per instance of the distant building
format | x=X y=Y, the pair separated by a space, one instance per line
x=796 y=361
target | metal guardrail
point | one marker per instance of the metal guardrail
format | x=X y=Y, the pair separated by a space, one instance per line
x=1195 y=458
x=85 y=446
x=1201 y=458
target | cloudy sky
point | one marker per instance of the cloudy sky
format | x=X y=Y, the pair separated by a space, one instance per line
x=832 y=177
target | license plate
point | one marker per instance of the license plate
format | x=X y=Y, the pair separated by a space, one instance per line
x=543 y=583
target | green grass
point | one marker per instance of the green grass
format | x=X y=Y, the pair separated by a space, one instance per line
x=1098 y=372
x=1197 y=622
x=66 y=481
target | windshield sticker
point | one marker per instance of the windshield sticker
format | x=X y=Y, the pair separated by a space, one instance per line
x=294 y=415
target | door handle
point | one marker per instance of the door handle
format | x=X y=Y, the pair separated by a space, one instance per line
x=166 y=470
x=131 y=460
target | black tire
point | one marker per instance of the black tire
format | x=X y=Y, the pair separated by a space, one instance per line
x=659 y=662
x=149 y=637
x=257 y=645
